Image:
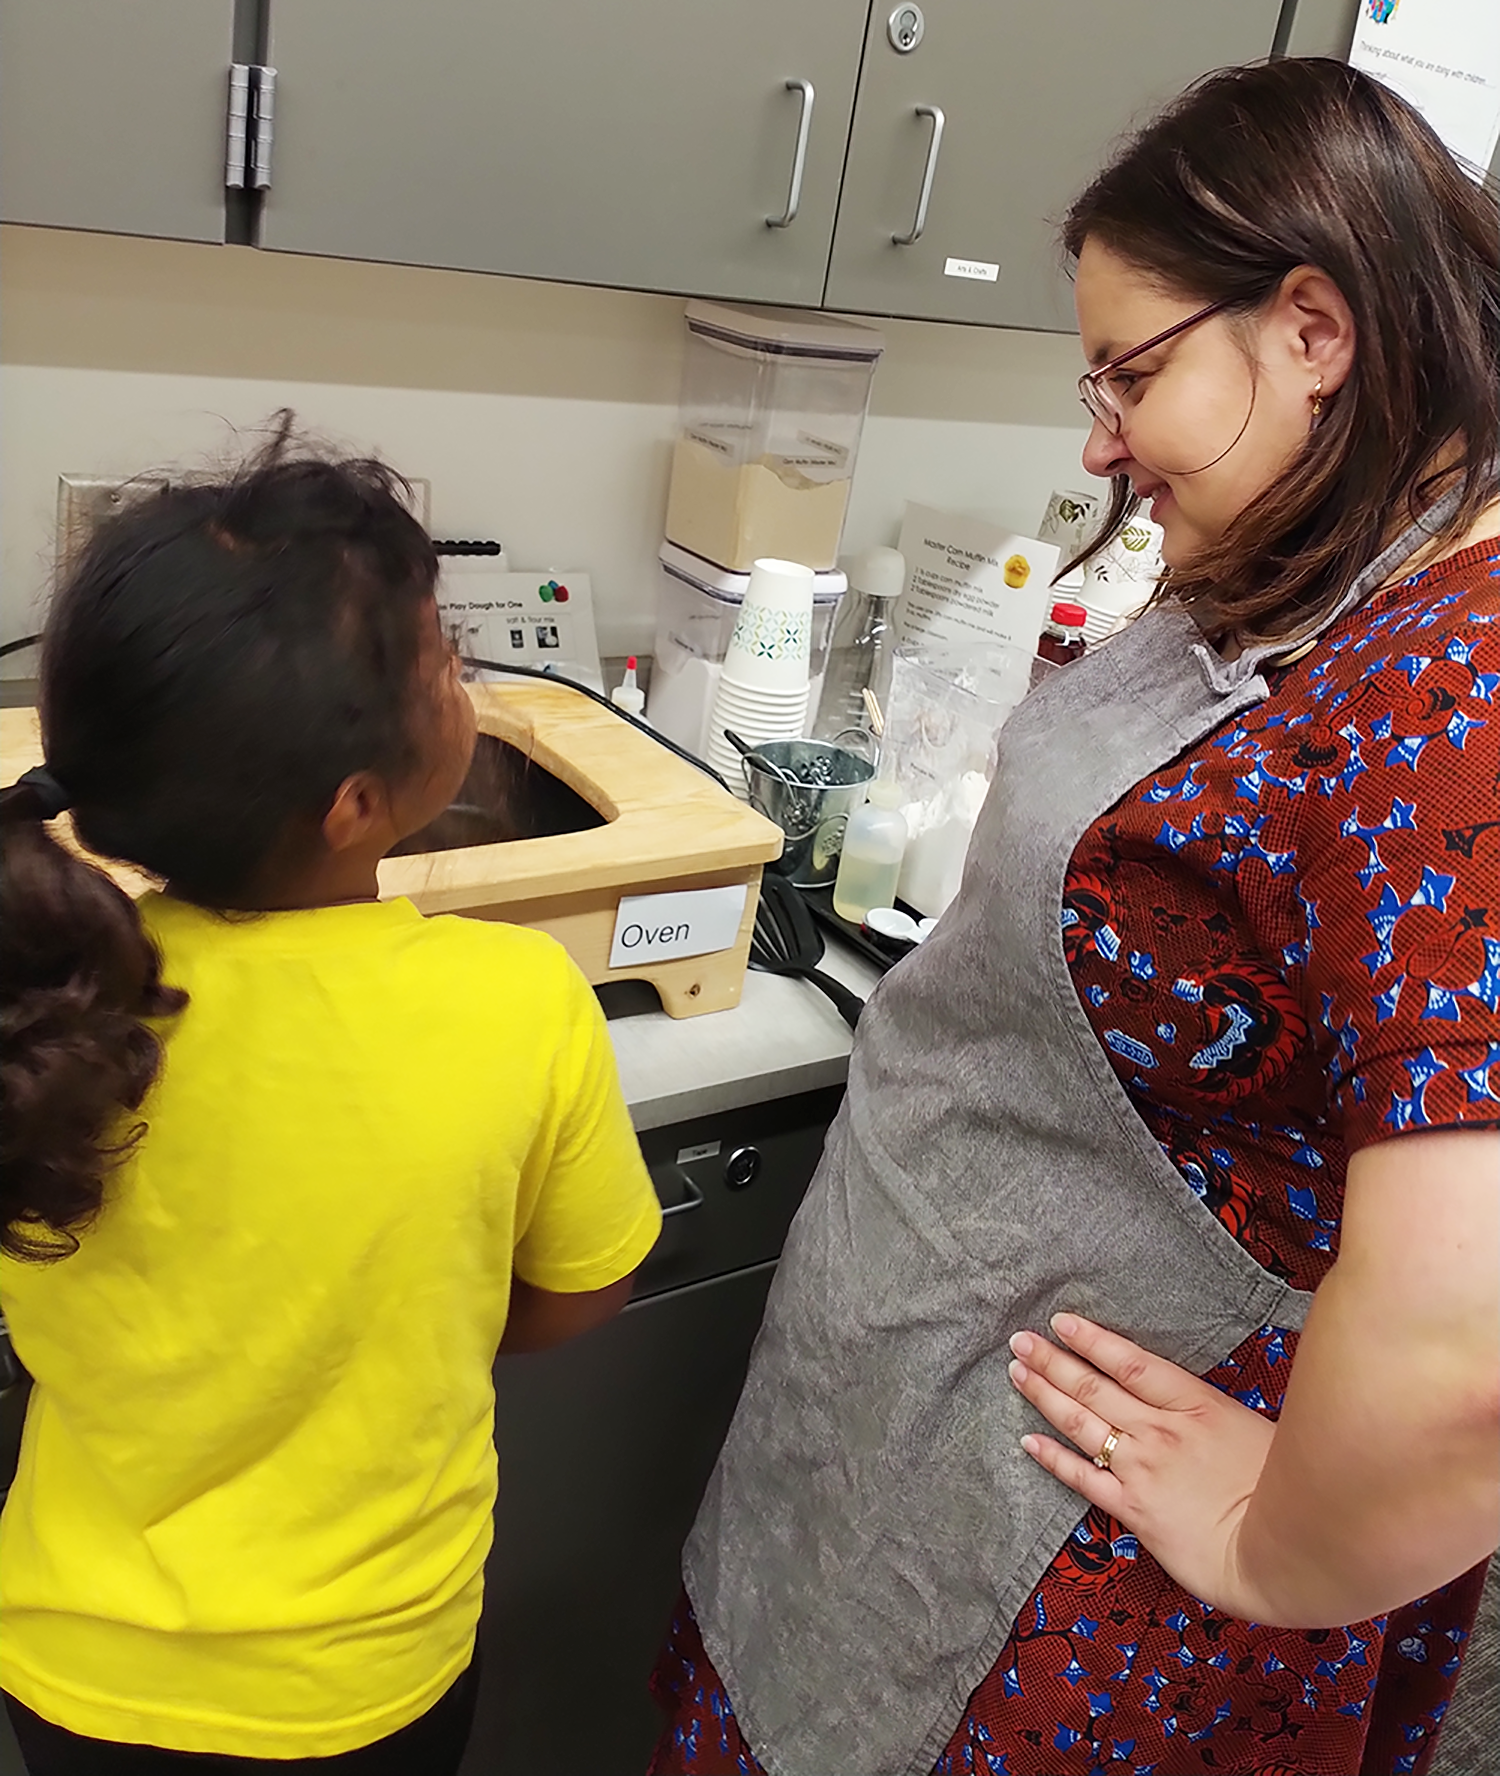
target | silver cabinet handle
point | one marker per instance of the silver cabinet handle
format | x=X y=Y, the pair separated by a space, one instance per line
x=691 y=1196
x=799 y=156
x=919 y=221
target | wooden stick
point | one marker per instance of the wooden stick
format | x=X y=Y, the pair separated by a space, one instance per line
x=872 y=709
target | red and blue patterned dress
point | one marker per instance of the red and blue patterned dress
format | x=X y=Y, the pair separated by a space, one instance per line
x=1289 y=945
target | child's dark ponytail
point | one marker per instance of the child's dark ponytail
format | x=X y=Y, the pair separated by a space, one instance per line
x=78 y=975
x=221 y=657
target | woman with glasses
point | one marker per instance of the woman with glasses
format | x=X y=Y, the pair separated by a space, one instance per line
x=1127 y=1394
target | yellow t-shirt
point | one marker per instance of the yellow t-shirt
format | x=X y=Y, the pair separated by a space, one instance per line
x=256 y=1483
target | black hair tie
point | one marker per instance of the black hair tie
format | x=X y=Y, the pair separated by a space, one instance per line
x=51 y=798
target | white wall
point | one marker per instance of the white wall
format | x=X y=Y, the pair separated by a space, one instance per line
x=541 y=413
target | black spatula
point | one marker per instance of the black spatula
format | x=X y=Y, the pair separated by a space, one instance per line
x=786 y=941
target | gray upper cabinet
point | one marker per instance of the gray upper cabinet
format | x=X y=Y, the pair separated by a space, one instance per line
x=650 y=146
x=1321 y=28
x=643 y=146
x=112 y=115
x=1031 y=97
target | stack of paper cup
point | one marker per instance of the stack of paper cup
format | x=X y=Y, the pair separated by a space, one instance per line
x=1121 y=578
x=1115 y=583
x=763 y=688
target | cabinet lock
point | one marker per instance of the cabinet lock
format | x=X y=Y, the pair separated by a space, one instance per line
x=905 y=28
x=742 y=1167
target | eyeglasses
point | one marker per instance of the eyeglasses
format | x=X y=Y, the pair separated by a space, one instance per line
x=1101 y=400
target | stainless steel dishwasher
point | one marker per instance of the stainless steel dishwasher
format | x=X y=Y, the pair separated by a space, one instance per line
x=606 y=1446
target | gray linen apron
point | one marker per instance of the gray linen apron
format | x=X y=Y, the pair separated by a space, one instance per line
x=873 y=1525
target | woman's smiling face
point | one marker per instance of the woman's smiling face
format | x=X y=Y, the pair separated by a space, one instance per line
x=1213 y=416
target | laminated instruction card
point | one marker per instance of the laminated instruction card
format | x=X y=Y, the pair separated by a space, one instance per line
x=970 y=582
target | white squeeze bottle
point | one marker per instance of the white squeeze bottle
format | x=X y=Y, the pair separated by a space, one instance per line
x=627 y=694
x=874 y=844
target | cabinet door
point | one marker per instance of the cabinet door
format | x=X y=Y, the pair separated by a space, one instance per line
x=114 y=115
x=1032 y=97
x=643 y=146
x=1320 y=28
x=605 y=1448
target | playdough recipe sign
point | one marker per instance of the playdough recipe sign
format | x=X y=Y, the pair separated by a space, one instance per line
x=1444 y=57
x=968 y=582
x=662 y=927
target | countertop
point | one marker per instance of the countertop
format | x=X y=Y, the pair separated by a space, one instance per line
x=783 y=1037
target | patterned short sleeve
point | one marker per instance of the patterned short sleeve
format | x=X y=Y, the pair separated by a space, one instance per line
x=1401 y=861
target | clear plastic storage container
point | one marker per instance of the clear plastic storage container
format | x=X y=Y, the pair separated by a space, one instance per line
x=697 y=603
x=771 y=416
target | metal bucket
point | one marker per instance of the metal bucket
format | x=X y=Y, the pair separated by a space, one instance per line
x=820 y=786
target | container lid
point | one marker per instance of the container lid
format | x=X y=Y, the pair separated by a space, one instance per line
x=730 y=588
x=1069 y=616
x=891 y=922
x=880 y=573
x=885 y=792
x=779 y=335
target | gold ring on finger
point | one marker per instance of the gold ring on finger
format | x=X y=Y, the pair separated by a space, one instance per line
x=1107 y=1452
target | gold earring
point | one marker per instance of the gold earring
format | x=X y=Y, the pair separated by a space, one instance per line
x=1317 y=401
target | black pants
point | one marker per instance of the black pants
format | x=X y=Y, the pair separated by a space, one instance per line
x=431 y=1746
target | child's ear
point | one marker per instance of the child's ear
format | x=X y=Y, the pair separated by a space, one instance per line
x=360 y=812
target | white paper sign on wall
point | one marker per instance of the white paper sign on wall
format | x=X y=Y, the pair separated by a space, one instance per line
x=663 y=927
x=1444 y=57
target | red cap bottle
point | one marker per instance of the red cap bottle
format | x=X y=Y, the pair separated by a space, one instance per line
x=1061 y=641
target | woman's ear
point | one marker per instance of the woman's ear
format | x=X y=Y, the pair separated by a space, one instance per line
x=359 y=815
x=1317 y=326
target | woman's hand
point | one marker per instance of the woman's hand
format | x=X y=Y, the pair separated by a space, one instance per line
x=1185 y=1462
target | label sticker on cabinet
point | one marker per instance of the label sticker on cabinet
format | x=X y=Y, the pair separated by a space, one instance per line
x=662 y=927
x=704 y=1150
x=980 y=269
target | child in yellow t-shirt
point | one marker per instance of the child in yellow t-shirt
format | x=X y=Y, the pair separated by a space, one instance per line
x=284 y=1164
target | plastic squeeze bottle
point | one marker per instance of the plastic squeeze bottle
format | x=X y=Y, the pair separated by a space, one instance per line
x=870 y=862
x=1061 y=641
x=627 y=694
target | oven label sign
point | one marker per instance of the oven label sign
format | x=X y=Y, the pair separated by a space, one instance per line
x=663 y=927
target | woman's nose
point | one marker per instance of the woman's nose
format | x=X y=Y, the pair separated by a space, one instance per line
x=1105 y=453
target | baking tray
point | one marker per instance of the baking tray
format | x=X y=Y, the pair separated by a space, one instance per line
x=820 y=903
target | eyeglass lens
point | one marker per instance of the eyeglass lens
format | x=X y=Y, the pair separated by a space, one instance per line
x=1101 y=404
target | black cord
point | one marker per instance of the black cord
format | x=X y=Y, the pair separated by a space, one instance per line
x=604 y=703
x=14 y=647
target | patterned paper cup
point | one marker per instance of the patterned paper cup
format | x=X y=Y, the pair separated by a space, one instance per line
x=772 y=636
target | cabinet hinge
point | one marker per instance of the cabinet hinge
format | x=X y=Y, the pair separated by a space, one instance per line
x=250 y=126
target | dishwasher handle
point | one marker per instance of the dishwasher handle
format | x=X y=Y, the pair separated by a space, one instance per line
x=682 y=1187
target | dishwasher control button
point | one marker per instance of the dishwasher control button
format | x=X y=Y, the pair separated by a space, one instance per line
x=742 y=1167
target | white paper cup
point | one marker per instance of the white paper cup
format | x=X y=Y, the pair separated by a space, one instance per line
x=1070 y=520
x=772 y=636
x=780 y=711
x=769 y=649
x=753 y=723
x=784 y=585
x=770 y=701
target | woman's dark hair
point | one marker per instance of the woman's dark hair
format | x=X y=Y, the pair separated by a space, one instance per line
x=1250 y=174
x=220 y=658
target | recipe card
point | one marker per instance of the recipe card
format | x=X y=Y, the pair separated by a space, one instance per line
x=971 y=582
